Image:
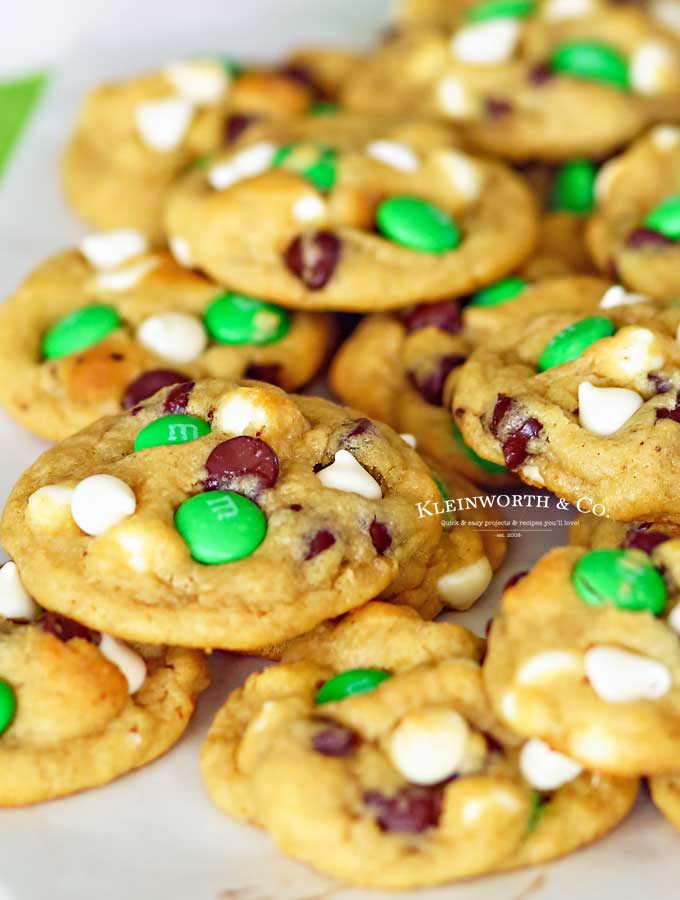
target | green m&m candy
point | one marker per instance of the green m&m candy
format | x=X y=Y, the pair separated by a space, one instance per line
x=175 y=429
x=500 y=292
x=592 y=61
x=354 y=681
x=570 y=343
x=538 y=808
x=220 y=526
x=79 y=330
x=417 y=224
x=323 y=108
x=501 y=9
x=317 y=164
x=624 y=578
x=237 y=319
x=485 y=464
x=574 y=188
x=665 y=218
x=8 y=705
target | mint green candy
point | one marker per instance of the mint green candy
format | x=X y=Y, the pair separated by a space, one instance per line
x=175 y=429
x=347 y=684
x=485 y=464
x=665 y=218
x=592 y=61
x=417 y=224
x=501 y=9
x=321 y=169
x=574 y=187
x=624 y=578
x=323 y=108
x=538 y=810
x=79 y=330
x=220 y=526
x=233 y=68
x=500 y=292
x=8 y=705
x=238 y=319
x=570 y=343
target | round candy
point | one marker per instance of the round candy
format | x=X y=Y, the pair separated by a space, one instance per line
x=500 y=292
x=323 y=108
x=624 y=578
x=570 y=343
x=574 y=188
x=175 y=429
x=79 y=330
x=417 y=224
x=237 y=319
x=317 y=165
x=354 y=681
x=220 y=526
x=8 y=705
x=485 y=464
x=665 y=218
x=593 y=61
x=501 y=9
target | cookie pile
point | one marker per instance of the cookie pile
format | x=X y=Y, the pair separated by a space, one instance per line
x=493 y=193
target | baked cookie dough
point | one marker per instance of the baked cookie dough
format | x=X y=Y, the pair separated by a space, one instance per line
x=79 y=708
x=584 y=655
x=517 y=79
x=93 y=331
x=633 y=233
x=372 y=754
x=581 y=399
x=222 y=514
x=337 y=215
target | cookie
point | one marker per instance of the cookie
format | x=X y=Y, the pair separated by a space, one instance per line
x=372 y=754
x=584 y=655
x=332 y=214
x=222 y=514
x=632 y=233
x=79 y=708
x=90 y=333
x=516 y=78
x=581 y=399
x=665 y=791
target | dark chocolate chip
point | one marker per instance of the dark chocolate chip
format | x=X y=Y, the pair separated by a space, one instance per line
x=647 y=237
x=321 y=541
x=335 y=741
x=148 y=384
x=518 y=576
x=66 y=629
x=412 y=810
x=381 y=537
x=243 y=464
x=236 y=124
x=444 y=315
x=496 y=107
x=431 y=385
x=313 y=257
x=662 y=383
x=673 y=413
x=269 y=372
x=639 y=538
x=541 y=74
x=178 y=399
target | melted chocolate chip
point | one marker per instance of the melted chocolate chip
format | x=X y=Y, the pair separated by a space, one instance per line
x=430 y=386
x=335 y=740
x=321 y=541
x=269 y=372
x=243 y=464
x=178 y=399
x=444 y=315
x=302 y=75
x=236 y=124
x=66 y=629
x=411 y=811
x=361 y=426
x=662 y=383
x=148 y=384
x=503 y=406
x=639 y=538
x=647 y=237
x=496 y=107
x=513 y=440
x=313 y=258
x=296 y=507
x=381 y=537
x=518 y=576
x=672 y=413
x=541 y=74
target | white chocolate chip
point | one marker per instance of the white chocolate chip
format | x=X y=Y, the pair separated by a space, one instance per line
x=545 y=769
x=633 y=352
x=674 y=618
x=131 y=664
x=548 y=664
x=509 y=706
x=347 y=474
x=181 y=252
x=108 y=249
x=309 y=209
x=100 y=502
x=605 y=411
x=429 y=745
x=532 y=474
x=15 y=601
x=248 y=163
x=665 y=137
x=617 y=295
x=48 y=506
x=486 y=43
x=236 y=414
x=394 y=154
x=201 y=81
x=462 y=172
x=454 y=99
x=605 y=178
x=177 y=337
x=460 y=589
x=667 y=12
x=619 y=676
x=126 y=277
x=409 y=439
x=498 y=796
x=651 y=67
x=557 y=10
x=162 y=124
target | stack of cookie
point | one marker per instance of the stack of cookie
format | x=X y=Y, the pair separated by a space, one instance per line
x=516 y=282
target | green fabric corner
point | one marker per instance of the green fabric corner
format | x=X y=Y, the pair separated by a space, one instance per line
x=18 y=99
